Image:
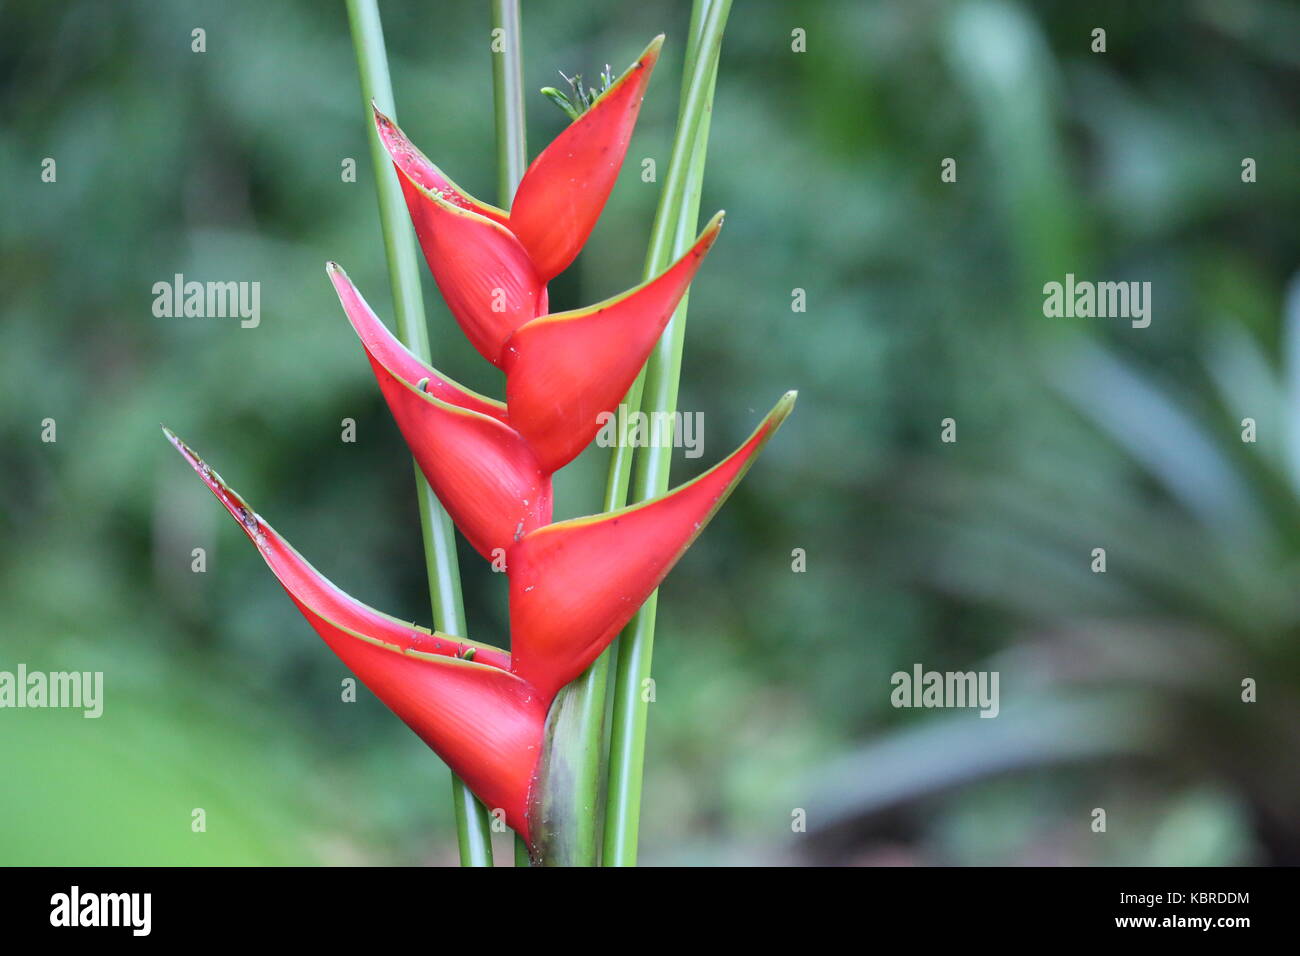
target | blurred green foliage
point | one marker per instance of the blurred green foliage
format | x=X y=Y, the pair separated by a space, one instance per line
x=924 y=302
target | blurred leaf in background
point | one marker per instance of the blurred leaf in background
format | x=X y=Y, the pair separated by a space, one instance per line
x=923 y=303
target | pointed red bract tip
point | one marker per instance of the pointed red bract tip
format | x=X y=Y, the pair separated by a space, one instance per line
x=563 y=192
x=381 y=345
x=459 y=696
x=482 y=471
x=567 y=371
x=308 y=586
x=411 y=162
x=484 y=274
x=574 y=584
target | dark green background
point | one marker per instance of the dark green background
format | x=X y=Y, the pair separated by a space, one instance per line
x=1119 y=691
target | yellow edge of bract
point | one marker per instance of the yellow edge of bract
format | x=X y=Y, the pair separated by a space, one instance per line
x=436 y=658
x=450 y=182
x=772 y=421
x=453 y=208
x=714 y=226
x=447 y=406
x=486 y=399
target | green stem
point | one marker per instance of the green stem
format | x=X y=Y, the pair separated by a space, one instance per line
x=512 y=149
x=675 y=225
x=508 y=100
x=474 y=835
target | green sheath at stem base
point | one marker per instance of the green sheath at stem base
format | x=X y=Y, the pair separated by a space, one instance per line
x=563 y=811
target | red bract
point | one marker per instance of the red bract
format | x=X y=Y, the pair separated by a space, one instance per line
x=564 y=370
x=459 y=696
x=481 y=469
x=573 y=584
x=563 y=191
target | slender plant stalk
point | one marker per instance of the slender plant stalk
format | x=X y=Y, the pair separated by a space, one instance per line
x=512 y=148
x=675 y=225
x=508 y=99
x=473 y=833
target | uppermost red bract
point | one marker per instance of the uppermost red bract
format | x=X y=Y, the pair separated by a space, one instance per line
x=563 y=192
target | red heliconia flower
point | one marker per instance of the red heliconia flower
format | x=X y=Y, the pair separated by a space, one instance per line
x=573 y=586
x=492 y=266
